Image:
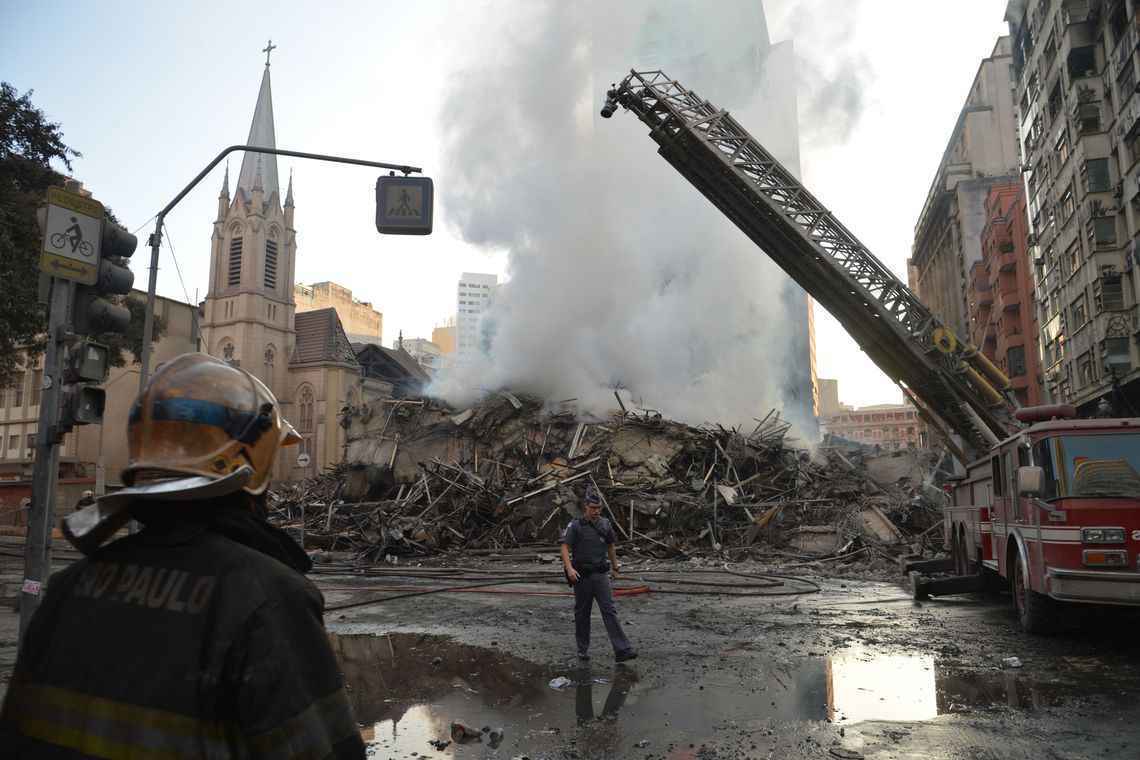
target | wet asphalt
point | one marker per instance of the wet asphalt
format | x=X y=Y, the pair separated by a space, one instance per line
x=858 y=670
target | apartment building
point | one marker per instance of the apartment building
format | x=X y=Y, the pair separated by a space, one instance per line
x=981 y=153
x=473 y=297
x=362 y=323
x=889 y=426
x=1079 y=115
x=1003 y=320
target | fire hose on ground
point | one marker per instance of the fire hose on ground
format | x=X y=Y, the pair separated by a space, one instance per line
x=757 y=584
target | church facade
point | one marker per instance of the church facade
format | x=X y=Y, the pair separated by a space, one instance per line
x=249 y=315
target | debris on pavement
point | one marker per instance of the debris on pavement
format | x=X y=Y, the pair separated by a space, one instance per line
x=561 y=682
x=503 y=478
x=1011 y=662
x=461 y=734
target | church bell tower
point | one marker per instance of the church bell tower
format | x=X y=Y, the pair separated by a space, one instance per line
x=249 y=305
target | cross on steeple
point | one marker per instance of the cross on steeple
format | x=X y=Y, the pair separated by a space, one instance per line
x=267 y=50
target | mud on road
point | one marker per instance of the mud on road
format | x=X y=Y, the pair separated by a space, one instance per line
x=857 y=670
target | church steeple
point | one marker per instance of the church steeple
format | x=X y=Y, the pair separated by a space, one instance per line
x=263 y=135
x=224 y=196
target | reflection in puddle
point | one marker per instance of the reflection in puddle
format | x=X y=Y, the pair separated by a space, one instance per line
x=884 y=687
x=408 y=689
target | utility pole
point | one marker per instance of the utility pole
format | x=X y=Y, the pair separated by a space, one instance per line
x=45 y=475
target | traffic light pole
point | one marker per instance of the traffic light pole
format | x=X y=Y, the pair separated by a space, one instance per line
x=155 y=240
x=45 y=475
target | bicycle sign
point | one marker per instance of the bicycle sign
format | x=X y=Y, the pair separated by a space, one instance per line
x=72 y=231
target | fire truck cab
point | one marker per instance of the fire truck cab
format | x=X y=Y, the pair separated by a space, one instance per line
x=1054 y=511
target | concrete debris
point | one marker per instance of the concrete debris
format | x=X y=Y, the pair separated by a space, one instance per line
x=505 y=476
x=461 y=734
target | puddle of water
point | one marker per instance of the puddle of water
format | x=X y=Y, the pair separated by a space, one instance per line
x=407 y=689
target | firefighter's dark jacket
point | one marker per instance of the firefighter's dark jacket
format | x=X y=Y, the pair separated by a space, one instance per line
x=181 y=641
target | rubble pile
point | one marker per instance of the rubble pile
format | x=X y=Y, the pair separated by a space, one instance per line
x=505 y=477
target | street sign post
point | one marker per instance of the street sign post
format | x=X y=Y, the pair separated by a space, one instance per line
x=72 y=232
x=45 y=475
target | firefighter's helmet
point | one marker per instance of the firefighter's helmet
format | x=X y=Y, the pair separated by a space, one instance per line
x=202 y=428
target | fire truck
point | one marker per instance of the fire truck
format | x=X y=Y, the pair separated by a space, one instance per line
x=1048 y=505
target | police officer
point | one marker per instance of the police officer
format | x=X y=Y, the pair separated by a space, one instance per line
x=198 y=636
x=590 y=539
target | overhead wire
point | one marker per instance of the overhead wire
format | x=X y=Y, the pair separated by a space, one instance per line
x=178 y=269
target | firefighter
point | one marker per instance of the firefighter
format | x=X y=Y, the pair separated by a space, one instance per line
x=197 y=636
x=590 y=539
x=86 y=500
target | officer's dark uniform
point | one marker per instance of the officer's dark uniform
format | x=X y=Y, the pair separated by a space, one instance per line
x=589 y=544
x=195 y=638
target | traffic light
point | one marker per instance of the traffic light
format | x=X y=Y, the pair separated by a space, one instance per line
x=82 y=405
x=88 y=362
x=93 y=314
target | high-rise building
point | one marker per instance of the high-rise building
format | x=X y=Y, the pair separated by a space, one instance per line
x=828 y=397
x=1079 y=115
x=473 y=297
x=1003 y=321
x=981 y=153
x=723 y=52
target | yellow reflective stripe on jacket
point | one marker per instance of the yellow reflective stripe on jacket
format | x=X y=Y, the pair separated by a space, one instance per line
x=312 y=732
x=108 y=728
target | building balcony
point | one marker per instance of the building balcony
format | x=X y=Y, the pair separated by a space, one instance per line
x=1008 y=299
x=1007 y=260
x=1125 y=48
x=1011 y=328
x=1075 y=12
x=1129 y=119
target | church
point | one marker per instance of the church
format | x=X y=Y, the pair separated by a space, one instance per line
x=250 y=319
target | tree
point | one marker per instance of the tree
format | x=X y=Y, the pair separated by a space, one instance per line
x=132 y=341
x=28 y=145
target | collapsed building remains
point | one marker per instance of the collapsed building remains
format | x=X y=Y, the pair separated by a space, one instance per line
x=505 y=477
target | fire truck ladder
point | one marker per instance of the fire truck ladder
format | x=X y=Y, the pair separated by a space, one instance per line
x=718 y=156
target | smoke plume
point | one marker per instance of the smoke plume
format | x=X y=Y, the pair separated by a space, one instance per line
x=621 y=274
x=833 y=75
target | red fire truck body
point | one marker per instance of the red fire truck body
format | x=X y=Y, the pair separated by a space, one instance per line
x=1054 y=510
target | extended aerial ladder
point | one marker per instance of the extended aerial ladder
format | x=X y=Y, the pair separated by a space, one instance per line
x=958 y=386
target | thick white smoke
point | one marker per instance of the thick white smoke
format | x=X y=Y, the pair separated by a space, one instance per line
x=621 y=273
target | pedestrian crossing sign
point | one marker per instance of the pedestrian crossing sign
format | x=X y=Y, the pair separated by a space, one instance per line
x=404 y=205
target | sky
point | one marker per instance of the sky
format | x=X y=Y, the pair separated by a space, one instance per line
x=150 y=93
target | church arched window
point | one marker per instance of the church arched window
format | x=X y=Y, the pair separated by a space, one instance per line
x=305 y=404
x=270 y=358
x=233 y=270
x=271 y=259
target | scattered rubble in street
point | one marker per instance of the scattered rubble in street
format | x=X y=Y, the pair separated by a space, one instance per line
x=503 y=478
